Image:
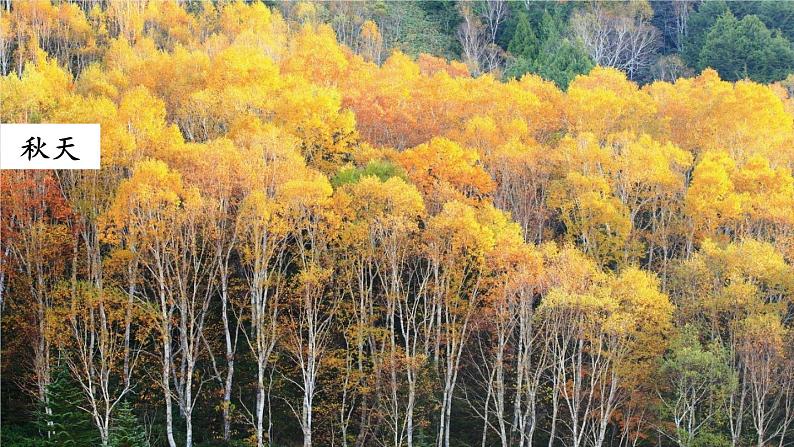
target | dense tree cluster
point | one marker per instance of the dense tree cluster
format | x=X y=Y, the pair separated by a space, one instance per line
x=649 y=40
x=296 y=241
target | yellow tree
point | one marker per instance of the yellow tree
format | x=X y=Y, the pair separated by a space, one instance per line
x=239 y=81
x=310 y=313
x=459 y=241
x=605 y=332
x=444 y=170
x=164 y=218
x=712 y=201
x=604 y=102
x=505 y=357
x=522 y=173
x=769 y=208
x=263 y=244
x=380 y=239
x=371 y=42
x=593 y=217
x=254 y=25
x=314 y=114
x=703 y=113
x=216 y=169
x=264 y=233
x=105 y=352
x=316 y=56
x=649 y=178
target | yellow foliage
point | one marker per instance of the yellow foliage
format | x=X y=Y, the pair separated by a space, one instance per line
x=705 y=113
x=222 y=122
x=33 y=97
x=150 y=205
x=315 y=55
x=444 y=170
x=712 y=199
x=594 y=218
x=604 y=102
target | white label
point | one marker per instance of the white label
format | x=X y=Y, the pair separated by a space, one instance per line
x=49 y=146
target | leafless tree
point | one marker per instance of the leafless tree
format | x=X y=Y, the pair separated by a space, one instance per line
x=473 y=40
x=480 y=53
x=669 y=68
x=496 y=11
x=681 y=8
x=619 y=36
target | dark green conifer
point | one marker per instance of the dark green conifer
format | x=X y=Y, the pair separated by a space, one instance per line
x=64 y=422
x=126 y=431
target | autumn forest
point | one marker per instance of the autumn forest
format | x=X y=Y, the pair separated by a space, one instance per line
x=301 y=235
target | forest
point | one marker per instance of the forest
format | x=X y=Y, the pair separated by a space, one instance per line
x=395 y=224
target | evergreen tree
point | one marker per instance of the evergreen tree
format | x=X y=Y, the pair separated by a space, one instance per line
x=126 y=431
x=561 y=61
x=746 y=48
x=775 y=14
x=557 y=58
x=524 y=42
x=66 y=424
x=698 y=26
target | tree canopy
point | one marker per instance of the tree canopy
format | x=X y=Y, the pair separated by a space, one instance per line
x=307 y=231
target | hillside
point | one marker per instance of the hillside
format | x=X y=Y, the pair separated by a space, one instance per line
x=307 y=231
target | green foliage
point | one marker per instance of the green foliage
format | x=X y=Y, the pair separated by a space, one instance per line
x=423 y=28
x=741 y=39
x=746 y=48
x=562 y=62
x=698 y=26
x=700 y=380
x=518 y=67
x=711 y=439
x=382 y=169
x=538 y=11
x=775 y=14
x=19 y=436
x=524 y=42
x=557 y=58
x=126 y=431
x=690 y=361
x=66 y=424
x=443 y=13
